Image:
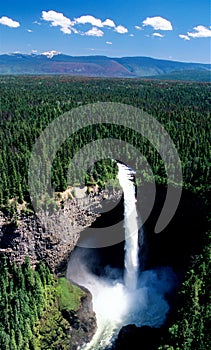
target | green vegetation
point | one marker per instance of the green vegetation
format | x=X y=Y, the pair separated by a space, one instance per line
x=191 y=328
x=54 y=328
x=69 y=295
x=186 y=75
x=32 y=305
x=23 y=300
x=28 y=105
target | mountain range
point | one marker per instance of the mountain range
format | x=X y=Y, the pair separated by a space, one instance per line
x=102 y=66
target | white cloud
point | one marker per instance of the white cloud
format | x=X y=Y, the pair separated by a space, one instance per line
x=66 y=30
x=94 y=32
x=138 y=28
x=200 y=32
x=121 y=30
x=158 y=23
x=74 y=30
x=184 y=37
x=57 y=19
x=109 y=42
x=6 y=21
x=89 y=19
x=109 y=23
x=29 y=30
x=131 y=35
x=158 y=35
x=96 y=22
x=67 y=25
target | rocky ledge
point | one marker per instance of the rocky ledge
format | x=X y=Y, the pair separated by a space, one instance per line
x=51 y=237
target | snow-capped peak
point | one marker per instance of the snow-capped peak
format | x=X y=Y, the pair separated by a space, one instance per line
x=51 y=53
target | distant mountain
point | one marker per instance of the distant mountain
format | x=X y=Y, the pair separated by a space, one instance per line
x=146 y=66
x=187 y=75
x=52 y=62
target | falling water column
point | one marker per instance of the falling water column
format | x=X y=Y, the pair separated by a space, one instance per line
x=125 y=176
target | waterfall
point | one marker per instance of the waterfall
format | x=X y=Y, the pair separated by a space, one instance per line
x=125 y=176
x=138 y=298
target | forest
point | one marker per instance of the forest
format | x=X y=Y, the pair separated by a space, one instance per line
x=27 y=106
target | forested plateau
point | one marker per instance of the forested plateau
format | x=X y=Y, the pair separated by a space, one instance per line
x=38 y=307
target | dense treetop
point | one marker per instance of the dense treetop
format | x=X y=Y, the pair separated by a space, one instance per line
x=29 y=104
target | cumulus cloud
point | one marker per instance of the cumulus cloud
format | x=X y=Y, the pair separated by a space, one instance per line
x=57 y=19
x=121 y=29
x=158 y=35
x=109 y=23
x=96 y=22
x=6 y=21
x=29 y=30
x=89 y=19
x=184 y=37
x=67 y=25
x=200 y=32
x=109 y=42
x=94 y=32
x=158 y=23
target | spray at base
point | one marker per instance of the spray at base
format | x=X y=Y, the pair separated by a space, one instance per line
x=137 y=299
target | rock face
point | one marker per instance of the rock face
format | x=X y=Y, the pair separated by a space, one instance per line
x=83 y=322
x=52 y=237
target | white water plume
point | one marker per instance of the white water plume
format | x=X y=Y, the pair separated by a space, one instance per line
x=125 y=176
x=138 y=299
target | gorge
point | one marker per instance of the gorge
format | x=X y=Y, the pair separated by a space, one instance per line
x=123 y=296
x=104 y=268
x=29 y=105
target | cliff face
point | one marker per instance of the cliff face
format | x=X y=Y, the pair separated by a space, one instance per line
x=31 y=238
x=50 y=238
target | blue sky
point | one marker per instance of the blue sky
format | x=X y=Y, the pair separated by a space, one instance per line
x=167 y=29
